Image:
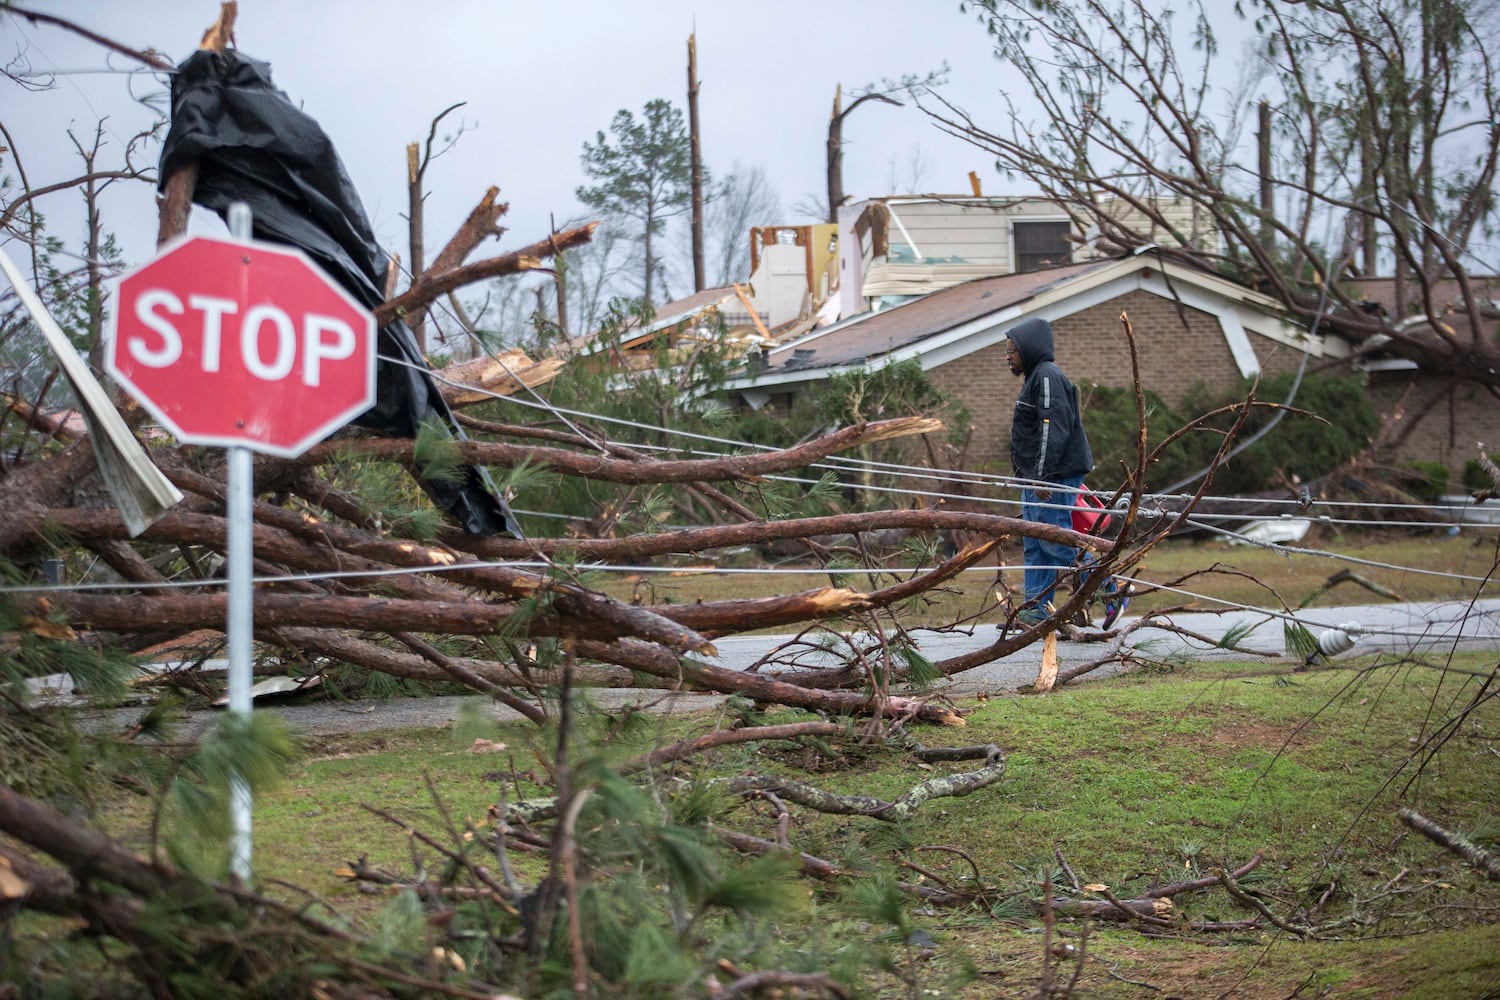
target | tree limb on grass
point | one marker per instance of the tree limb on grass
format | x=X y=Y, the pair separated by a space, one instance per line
x=811 y=866
x=683 y=749
x=1487 y=863
x=684 y=672
x=896 y=811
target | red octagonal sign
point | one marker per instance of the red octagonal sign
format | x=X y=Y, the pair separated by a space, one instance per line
x=241 y=343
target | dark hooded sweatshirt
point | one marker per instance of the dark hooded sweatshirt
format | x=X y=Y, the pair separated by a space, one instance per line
x=1047 y=440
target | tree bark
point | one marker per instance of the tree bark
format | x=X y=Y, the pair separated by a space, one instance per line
x=725 y=737
x=686 y=673
x=695 y=151
x=834 y=148
x=834 y=155
x=372 y=656
x=898 y=810
x=435 y=284
x=417 y=318
x=593 y=466
x=1487 y=863
x=86 y=853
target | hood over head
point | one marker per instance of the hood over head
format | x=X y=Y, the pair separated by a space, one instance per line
x=1033 y=339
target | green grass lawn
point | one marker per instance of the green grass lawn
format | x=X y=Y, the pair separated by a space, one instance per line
x=1134 y=782
x=1154 y=777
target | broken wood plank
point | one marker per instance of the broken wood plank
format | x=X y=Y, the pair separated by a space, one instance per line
x=502 y=374
x=1047 y=675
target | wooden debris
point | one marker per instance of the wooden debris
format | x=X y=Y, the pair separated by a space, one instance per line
x=502 y=374
x=1047 y=676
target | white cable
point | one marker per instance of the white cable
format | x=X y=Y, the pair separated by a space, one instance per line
x=842 y=463
x=355 y=574
x=1196 y=521
x=839 y=463
x=1304 y=617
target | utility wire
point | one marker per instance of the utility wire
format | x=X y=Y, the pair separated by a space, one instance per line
x=841 y=463
x=1198 y=520
x=838 y=463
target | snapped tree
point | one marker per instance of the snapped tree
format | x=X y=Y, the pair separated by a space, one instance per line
x=334 y=594
x=885 y=92
x=419 y=157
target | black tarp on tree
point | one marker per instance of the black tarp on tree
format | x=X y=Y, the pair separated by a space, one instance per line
x=253 y=145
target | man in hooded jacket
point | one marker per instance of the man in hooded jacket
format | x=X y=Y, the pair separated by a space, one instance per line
x=1050 y=452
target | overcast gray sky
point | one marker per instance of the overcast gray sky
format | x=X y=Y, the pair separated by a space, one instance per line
x=539 y=79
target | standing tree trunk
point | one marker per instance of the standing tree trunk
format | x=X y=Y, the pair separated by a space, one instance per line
x=835 y=146
x=175 y=203
x=649 y=250
x=93 y=272
x=419 y=157
x=414 y=170
x=696 y=153
x=560 y=283
x=1429 y=138
x=835 y=155
x=1267 y=181
x=1369 y=234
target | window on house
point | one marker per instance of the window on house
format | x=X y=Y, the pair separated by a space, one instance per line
x=1041 y=244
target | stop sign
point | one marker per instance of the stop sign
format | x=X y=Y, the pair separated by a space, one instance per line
x=241 y=343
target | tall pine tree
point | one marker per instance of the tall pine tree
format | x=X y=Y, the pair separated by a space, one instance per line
x=643 y=175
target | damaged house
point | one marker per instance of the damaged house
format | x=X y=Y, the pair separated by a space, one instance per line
x=939 y=279
x=1191 y=326
x=1432 y=416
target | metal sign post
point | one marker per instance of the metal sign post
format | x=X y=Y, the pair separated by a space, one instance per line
x=239 y=630
x=240 y=627
x=251 y=347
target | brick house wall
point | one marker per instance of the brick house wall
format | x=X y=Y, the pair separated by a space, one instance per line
x=1449 y=430
x=1177 y=348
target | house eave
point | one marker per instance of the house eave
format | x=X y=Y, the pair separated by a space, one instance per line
x=1239 y=311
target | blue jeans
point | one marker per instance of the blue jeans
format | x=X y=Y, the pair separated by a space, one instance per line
x=1044 y=559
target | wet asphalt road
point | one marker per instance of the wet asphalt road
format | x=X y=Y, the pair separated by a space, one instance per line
x=1424 y=627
